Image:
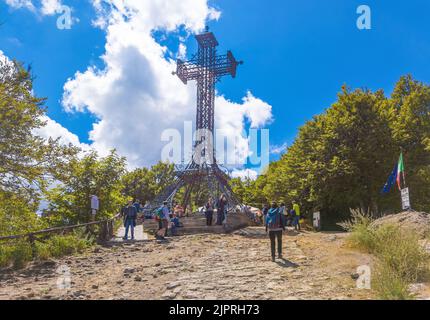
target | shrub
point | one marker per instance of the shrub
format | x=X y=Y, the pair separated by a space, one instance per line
x=399 y=250
x=43 y=250
x=362 y=234
x=59 y=246
x=16 y=255
x=55 y=247
x=401 y=260
x=389 y=285
x=5 y=255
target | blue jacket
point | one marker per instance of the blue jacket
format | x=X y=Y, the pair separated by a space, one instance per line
x=130 y=213
x=275 y=220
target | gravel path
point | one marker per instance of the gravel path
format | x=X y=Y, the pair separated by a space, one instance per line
x=235 y=266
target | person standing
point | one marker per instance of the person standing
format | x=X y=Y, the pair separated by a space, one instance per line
x=209 y=211
x=296 y=216
x=274 y=226
x=129 y=216
x=221 y=207
x=165 y=220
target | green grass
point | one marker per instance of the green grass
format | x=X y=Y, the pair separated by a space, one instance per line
x=20 y=253
x=400 y=259
x=17 y=255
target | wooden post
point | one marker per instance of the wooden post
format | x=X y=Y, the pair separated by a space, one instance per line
x=111 y=227
x=32 y=240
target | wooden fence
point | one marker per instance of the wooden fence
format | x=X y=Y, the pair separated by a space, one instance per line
x=106 y=231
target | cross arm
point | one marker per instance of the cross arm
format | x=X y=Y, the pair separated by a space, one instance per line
x=226 y=65
x=187 y=70
x=193 y=69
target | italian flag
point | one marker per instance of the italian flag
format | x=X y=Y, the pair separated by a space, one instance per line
x=400 y=172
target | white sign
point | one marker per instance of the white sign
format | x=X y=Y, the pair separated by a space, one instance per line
x=94 y=202
x=406 y=204
x=317 y=220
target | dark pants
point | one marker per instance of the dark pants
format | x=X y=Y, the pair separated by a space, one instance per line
x=209 y=217
x=273 y=235
x=296 y=223
x=129 y=224
x=220 y=216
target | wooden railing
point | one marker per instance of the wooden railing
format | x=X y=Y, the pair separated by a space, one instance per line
x=106 y=231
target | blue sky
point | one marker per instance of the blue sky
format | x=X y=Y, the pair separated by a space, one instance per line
x=297 y=53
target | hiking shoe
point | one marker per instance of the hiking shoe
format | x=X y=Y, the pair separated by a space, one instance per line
x=280 y=256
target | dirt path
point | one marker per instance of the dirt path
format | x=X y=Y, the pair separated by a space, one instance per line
x=235 y=266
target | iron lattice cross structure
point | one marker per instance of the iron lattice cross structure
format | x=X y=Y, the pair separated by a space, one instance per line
x=207 y=68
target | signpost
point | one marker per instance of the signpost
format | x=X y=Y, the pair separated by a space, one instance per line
x=317 y=221
x=94 y=206
x=406 y=204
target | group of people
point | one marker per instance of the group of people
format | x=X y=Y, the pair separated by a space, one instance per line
x=276 y=218
x=220 y=206
x=291 y=215
x=169 y=220
x=166 y=219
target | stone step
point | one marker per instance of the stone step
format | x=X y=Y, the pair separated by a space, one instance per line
x=197 y=224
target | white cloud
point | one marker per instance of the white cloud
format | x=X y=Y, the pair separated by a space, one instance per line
x=50 y=7
x=18 y=4
x=276 y=149
x=43 y=7
x=134 y=96
x=245 y=174
x=55 y=130
x=52 y=129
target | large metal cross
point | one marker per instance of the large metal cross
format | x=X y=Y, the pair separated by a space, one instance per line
x=206 y=67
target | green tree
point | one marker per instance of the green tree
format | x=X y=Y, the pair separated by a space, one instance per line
x=144 y=184
x=410 y=123
x=27 y=162
x=69 y=202
x=342 y=158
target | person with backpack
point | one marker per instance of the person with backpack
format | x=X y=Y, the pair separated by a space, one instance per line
x=209 y=212
x=163 y=217
x=129 y=217
x=275 y=226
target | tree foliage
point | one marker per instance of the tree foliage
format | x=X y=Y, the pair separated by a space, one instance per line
x=144 y=184
x=342 y=158
x=27 y=161
x=69 y=201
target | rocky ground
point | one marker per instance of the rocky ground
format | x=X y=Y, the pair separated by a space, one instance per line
x=419 y=222
x=209 y=266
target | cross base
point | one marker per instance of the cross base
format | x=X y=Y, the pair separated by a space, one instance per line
x=193 y=177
